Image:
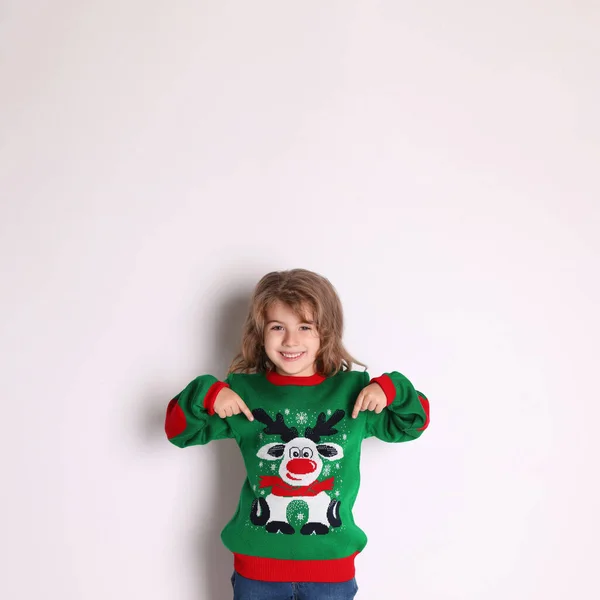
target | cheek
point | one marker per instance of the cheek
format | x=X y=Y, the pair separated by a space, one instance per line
x=271 y=343
x=315 y=344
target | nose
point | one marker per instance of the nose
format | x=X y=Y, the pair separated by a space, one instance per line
x=289 y=338
x=301 y=466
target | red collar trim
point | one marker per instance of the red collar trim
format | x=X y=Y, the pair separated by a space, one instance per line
x=275 y=378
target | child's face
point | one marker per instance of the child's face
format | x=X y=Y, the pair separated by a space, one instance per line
x=291 y=344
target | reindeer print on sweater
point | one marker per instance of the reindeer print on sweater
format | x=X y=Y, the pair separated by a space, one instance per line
x=299 y=461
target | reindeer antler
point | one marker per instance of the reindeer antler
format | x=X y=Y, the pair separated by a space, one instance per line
x=275 y=427
x=324 y=427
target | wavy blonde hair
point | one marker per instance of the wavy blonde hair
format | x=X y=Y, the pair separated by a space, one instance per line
x=299 y=289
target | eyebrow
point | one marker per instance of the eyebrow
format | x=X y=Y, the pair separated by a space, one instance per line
x=305 y=322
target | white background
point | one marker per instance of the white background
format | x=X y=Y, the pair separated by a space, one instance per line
x=439 y=164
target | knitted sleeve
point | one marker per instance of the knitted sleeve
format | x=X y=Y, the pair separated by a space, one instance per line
x=406 y=415
x=190 y=418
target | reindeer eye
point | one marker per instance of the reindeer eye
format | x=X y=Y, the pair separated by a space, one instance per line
x=294 y=452
x=307 y=452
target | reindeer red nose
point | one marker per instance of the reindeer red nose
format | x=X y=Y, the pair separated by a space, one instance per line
x=301 y=466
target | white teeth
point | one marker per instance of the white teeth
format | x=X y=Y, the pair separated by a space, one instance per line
x=292 y=355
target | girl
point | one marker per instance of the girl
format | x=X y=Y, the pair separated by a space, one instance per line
x=298 y=414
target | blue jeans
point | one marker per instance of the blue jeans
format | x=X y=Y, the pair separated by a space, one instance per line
x=250 y=589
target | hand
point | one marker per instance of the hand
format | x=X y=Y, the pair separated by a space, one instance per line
x=228 y=403
x=371 y=397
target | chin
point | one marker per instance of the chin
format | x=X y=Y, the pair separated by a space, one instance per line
x=292 y=370
x=289 y=371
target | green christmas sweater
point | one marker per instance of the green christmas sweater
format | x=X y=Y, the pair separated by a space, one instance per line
x=302 y=453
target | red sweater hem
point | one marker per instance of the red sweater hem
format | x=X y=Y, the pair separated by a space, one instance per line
x=275 y=569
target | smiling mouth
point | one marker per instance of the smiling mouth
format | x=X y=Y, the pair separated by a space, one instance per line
x=291 y=356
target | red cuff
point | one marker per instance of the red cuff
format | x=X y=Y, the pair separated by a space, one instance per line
x=386 y=383
x=211 y=396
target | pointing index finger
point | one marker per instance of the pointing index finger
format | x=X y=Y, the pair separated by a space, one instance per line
x=357 y=404
x=245 y=410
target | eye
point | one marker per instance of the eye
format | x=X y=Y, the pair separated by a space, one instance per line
x=294 y=452
x=276 y=327
x=305 y=327
x=307 y=452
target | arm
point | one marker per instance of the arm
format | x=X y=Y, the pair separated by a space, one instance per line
x=190 y=415
x=406 y=415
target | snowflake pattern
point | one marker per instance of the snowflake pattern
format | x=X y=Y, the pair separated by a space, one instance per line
x=337 y=493
x=302 y=418
x=273 y=467
x=300 y=516
x=260 y=464
x=326 y=470
x=337 y=465
x=287 y=411
x=328 y=412
x=344 y=437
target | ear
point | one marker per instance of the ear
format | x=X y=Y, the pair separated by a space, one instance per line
x=330 y=451
x=272 y=451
